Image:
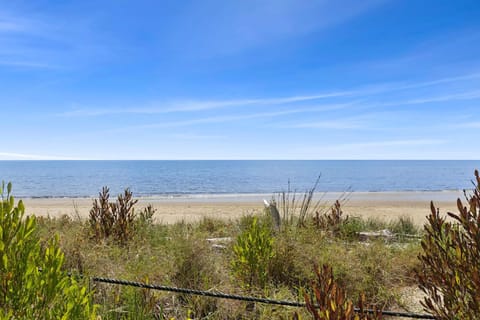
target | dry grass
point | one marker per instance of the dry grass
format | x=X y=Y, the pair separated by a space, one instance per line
x=179 y=255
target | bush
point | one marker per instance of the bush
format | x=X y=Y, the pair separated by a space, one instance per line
x=253 y=251
x=331 y=301
x=332 y=220
x=33 y=285
x=450 y=268
x=115 y=219
x=403 y=226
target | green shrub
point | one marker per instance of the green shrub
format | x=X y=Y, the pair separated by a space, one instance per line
x=403 y=226
x=450 y=262
x=252 y=253
x=33 y=285
x=351 y=227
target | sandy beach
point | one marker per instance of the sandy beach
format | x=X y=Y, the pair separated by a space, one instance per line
x=384 y=205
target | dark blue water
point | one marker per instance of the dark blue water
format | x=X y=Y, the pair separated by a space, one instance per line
x=178 y=178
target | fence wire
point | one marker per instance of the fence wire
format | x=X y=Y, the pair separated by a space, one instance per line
x=221 y=295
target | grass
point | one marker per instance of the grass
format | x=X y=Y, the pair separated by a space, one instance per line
x=179 y=255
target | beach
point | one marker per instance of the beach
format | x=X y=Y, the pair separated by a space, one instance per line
x=383 y=205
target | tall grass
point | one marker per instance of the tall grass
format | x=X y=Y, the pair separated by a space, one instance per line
x=296 y=208
x=275 y=264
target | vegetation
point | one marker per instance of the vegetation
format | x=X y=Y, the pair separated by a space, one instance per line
x=115 y=219
x=33 y=284
x=299 y=208
x=450 y=262
x=252 y=253
x=331 y=301
x=259 y=260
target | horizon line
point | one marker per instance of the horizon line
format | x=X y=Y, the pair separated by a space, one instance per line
x=247 y=159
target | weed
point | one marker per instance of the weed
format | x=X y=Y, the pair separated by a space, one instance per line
x=179 y=255
x=351 y=227
x=450 y=268
x=32 y=283
x=146 y=215
x=332 y=220
x=118 y=219
x=331 y=301
x=252 y=253
x=297 y=207
x=403 y=226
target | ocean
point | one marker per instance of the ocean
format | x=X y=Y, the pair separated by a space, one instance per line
x=216 y=177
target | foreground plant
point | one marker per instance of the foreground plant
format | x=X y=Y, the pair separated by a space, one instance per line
x=32 y=282
x=331 y=302
x=252 y=253
x=450 y=262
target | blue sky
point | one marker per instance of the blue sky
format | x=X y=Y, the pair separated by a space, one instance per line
x=280 y=79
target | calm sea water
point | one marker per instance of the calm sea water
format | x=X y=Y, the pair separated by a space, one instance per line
x=183 y=178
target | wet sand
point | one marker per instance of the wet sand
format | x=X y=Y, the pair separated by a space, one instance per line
x=384 y=205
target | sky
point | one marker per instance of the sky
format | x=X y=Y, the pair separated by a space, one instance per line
x=264 y=79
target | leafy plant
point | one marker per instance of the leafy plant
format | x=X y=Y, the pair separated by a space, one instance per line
x=32 y=282
x=331 y=220
x=252 y=253
x=146 y=215
x=113 y=219
x=331 y=301
x=450 y=262
x=403 y=226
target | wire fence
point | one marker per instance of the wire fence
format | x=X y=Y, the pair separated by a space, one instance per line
x=221 y=295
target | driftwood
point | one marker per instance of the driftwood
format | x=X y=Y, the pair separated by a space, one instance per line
x=384 y=234
x=219 y=240
x=274 y=214
x=219 y=243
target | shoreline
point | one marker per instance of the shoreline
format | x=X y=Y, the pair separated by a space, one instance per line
x=413 y=195
x=383 y=205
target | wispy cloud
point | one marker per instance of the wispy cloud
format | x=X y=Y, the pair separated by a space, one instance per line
x=28 y=64
x=39 y=40
x=191 y=105
x=255 y=23
x=469 y=95
x=18 y=38
x=232 y=118
x=375 y=149
x=468 y=125
x=193 y=136
x=206 y=120
x=391 y=143
x=24 y=156
x=336 y=124
x=362 y=92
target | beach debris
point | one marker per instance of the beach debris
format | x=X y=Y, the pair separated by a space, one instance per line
x=219 y=247
x=220 y=240
x=385 y=234
x=219 y=243
x=274 y=214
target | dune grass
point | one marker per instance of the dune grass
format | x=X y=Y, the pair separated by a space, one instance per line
x=179 y=255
